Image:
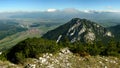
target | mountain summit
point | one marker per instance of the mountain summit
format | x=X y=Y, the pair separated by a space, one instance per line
x=79 y=30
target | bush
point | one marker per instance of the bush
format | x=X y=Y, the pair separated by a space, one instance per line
x=3 y=57
x=112 y=48
x=30 y=48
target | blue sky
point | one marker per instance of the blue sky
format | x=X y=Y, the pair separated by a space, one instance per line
x=41 y=5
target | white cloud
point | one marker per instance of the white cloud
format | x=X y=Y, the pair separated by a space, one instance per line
x=87 y=11
x=99 y=11
x=73 y=10
x=51 y=10
x=109 y=7
x=112 y=10
x=70 y=10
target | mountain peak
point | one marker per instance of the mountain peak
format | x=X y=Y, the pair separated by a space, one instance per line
x=79 y=30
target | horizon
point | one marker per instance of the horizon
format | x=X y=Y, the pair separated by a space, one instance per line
x=53 y=5
x=62 y=10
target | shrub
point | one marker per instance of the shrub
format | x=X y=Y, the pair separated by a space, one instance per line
x=111 y=48
x=30 y=48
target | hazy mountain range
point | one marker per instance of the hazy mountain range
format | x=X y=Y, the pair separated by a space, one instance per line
x=107 y=18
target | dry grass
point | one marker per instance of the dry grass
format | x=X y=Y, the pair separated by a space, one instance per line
x=7 y=64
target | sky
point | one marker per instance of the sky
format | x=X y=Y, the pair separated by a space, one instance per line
x=52 y=5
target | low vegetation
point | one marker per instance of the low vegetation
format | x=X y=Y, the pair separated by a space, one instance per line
x=112 y=48
x=34 y=47
x=31 y=48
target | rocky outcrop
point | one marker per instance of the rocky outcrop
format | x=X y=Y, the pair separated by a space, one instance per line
x=66 y=59
x=53 y=61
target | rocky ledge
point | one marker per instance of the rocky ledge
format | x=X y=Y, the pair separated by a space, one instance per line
x=66 y=59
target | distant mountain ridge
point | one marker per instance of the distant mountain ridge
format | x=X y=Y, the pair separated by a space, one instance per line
x=106 y=18
x=79 y=30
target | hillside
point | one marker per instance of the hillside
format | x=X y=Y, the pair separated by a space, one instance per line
x=116 y=31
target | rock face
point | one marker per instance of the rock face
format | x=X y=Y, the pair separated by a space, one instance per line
x=79 y=30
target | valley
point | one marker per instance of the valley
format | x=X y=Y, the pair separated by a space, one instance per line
x=29 y=31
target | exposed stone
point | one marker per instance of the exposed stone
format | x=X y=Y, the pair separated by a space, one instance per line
x=58 y=38
x=66 y=59
x=0 y=53
x=109 y=34
x=82 y=30
x=89 y=37
x=65 y=51
x=30 y=66
x=73 y=40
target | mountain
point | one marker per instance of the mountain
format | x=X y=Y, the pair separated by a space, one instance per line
x=116 y=31
x=79 y=30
